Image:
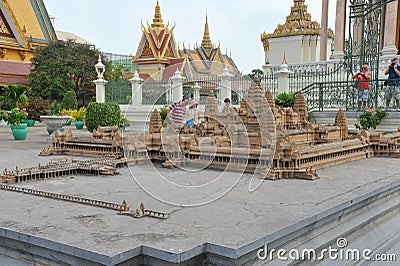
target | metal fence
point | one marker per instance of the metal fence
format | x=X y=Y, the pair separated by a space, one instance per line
x=322 y=96
x=156 y=92
x=118 y=91
x=305 y=75
x=270 y=82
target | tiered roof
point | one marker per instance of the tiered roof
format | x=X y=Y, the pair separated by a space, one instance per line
x=158 y=46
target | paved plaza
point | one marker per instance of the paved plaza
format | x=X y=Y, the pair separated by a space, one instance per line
x=235 y=220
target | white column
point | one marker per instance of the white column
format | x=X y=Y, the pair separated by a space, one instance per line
x=177 y=86
x=283 y=78
x=196 y=92
x=136 y=84
x=100 y=90
x=389 y=39
x=225 y=90
x=324 y=30
x=340 y=29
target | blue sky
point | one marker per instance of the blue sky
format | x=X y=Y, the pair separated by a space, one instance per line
x=115 y=26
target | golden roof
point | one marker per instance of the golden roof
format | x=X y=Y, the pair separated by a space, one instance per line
x=24 y=25
x=30 y=19
x=297 y=23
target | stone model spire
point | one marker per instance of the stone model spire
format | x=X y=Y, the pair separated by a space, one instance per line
x=155 y=122
x=300 y=106
x=270 y=99
x=211 y=108
x=157 y=20
x=341 y=121
x=206 y=42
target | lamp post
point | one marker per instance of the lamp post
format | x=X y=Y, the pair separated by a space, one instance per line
x=100 y=81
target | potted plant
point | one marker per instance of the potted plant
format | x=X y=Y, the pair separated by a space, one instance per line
x=68 y=112
x=15 y=119
x=79 y=118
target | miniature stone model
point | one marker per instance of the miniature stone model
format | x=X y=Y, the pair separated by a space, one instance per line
x=101 y=166
x=301 y=147
x=123 y=209
x=271 y=141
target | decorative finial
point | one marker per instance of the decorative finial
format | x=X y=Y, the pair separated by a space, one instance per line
x=157 y=20
x=284 y=59
x=206 y=42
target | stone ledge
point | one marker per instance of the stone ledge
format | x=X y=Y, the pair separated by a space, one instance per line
x=379 y=203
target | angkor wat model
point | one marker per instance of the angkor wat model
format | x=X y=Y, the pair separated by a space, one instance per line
x=256 y=137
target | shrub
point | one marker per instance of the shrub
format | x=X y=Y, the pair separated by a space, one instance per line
x=370 y=119
x=22 y=101
x=55 y=108
x=80 y=114
x=69 y=101
x=68 y=112
x=37 y=107
x=285 y=99
x=102 y=114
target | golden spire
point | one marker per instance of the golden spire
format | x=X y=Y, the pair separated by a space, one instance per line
x=299 y=2
x=284 y=59
x=206 y=42
x=157 y=20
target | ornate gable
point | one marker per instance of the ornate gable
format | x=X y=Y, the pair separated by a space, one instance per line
x=157 y=41
x=6 y=34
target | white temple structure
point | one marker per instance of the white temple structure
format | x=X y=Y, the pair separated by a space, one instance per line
x=299 y=38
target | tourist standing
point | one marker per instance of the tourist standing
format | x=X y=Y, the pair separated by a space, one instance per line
x=227 y=102
x=363 y=84
x=193 y=114
x=393 y=83
x=177 y=111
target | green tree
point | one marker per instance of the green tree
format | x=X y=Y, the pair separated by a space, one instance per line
x=255 y=72
x=117 y=72
x=63 y=66
x=69 y=101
